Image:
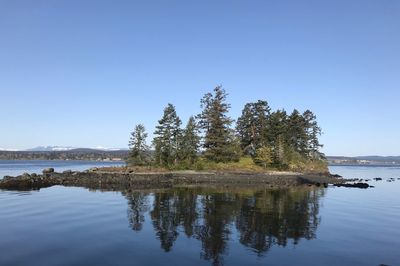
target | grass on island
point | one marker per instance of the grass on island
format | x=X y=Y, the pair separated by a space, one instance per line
x=245 y=164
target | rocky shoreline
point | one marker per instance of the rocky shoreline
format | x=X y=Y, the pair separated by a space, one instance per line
x=105 y=180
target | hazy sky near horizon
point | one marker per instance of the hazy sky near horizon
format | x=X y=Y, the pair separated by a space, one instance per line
x=83 y=73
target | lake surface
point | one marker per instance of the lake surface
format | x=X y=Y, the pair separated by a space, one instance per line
x=198 y=226
x=18 y=167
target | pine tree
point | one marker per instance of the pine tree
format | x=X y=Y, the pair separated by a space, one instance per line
x=190 y=142
x=216 y=125
x=277 y=124
x=138 y=154
x=168 y=136
x=277 y=136
x=297 y=133
x=252 y=126
x=313 y=131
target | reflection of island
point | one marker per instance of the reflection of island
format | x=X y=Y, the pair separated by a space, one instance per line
x=262 y=218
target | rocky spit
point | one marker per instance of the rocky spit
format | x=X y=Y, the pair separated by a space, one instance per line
x=105 y=180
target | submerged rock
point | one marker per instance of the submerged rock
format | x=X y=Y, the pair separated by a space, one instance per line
x=377 y=179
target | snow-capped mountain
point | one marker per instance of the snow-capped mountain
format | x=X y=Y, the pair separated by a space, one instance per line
x=51 y=148
x=109 y=149
x=2 y=149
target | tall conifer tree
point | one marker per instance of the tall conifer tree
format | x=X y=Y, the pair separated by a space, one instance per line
x=313 y=132
x=190 y=142
x=168 y=136
x=138 y=154
x=252 y=127
x=215 y=122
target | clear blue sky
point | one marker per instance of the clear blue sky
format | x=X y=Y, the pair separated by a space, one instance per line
x=82 y=73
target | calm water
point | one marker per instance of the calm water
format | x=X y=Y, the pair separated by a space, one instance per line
x=18 y=167
x=299 y=226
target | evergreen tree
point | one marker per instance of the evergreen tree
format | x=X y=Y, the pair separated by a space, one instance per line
x=277 y=125
x=138 y=154
x=252 y=126
x=277 y=136
x=168 y=136
x=313 y=131
x=297 y=133
x=190 y=142
x=216 y=124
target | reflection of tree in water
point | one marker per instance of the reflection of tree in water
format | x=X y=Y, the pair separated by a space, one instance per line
x=214 y=231
x=271 y=217
x=171 y=209
x=138 y=206
x=262 y=218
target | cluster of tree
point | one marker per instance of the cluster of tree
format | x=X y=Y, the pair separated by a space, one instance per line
x=270 y=138
x=276 y=138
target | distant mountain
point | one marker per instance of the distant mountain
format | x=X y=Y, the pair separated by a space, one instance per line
x=2 y=149
x=51 y=148
x=66 y=148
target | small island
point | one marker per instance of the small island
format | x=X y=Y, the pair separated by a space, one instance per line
x=265 y=147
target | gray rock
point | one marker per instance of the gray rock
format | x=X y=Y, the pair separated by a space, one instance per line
x=48 y=170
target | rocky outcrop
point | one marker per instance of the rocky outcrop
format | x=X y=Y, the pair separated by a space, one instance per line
x=135 y=180
x=48 y=171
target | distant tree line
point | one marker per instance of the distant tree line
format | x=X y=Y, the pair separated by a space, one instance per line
x=75 y=154
x=271 y=138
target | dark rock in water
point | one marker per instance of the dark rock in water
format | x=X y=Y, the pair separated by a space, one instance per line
x=48 y=170
x=367 y=180
x=67 y=172
x=336 y=176
x=355 y=185
x=377 y=179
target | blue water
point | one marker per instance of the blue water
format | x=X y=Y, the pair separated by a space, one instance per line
x=198 y=226
x=18 y=167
